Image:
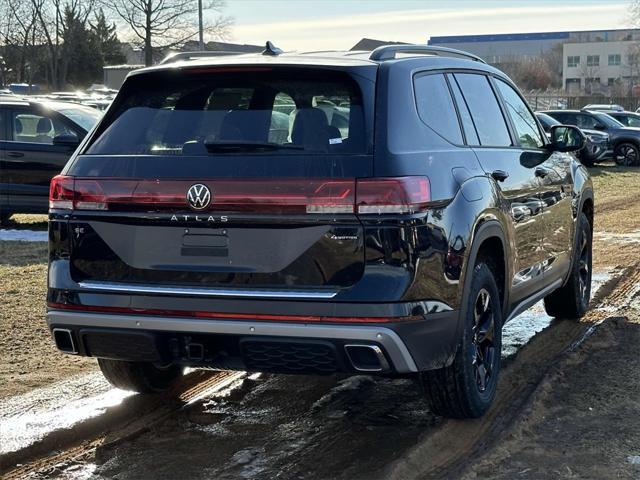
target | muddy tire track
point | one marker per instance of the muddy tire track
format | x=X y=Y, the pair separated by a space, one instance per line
x=438 y=449
x=445 y=452
x=132 y=417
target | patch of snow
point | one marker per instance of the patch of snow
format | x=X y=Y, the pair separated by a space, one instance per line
x=521 y=329
x=634 y=459
x=28 y=418
x=632 y=237
x=24 y=235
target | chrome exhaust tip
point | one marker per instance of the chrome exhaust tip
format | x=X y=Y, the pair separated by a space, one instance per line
x=64 y=340
x=366 y=358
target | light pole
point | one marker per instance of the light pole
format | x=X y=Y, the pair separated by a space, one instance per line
x=200 y=28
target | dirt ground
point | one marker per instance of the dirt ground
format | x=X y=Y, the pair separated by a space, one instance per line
x=568 y=404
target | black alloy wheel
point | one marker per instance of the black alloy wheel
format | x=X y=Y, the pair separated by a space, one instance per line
x=627 y=155
x=483 y=334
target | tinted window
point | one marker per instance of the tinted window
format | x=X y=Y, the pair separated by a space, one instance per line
x=523 y=121
x=256 y=112
x=465 y=116
x=435 y=106
x=565 y=118
x=547 y=121
x=606 y=120
x=85 y=117
x=628 y=120
x=485 y=110
x=31 y=127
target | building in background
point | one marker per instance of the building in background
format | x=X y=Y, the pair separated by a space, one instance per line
x=600 y=67
x=593 y=62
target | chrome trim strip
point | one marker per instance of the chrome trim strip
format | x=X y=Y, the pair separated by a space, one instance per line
x=392 y=343
x=528 y=302
x=207 y=292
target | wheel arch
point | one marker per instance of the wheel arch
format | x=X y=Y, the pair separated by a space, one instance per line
x=490 y=241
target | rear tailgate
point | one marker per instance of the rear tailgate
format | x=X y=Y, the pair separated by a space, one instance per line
x=243 y=180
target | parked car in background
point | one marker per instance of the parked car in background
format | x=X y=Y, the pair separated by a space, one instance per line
x=624 y=141
x=628 y=119
x=36 y=140
x=605 y=107
x=412 y=207
x=596 y=148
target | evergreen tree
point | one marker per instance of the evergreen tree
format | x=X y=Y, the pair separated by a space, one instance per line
x=106 y=40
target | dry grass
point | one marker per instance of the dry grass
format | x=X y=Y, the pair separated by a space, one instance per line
x=617 y=198
x=29 y=358
x=617 y=210
x=28 y=222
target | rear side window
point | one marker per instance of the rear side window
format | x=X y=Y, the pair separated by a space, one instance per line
x=485 y=110
x=628 y=120
x=32 y=127
x=465 y=116
x=566 y=118
x=435 y=106
x=523 y=121
x=221 y=112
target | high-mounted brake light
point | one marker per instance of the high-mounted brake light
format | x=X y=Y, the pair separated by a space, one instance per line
x=369 y=196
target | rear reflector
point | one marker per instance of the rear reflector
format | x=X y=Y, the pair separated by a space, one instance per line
x=294 y=196
x=231 y=316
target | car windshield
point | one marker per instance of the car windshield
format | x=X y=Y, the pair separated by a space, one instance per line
x=85 y=117
x=608 y=120
x=258 y=112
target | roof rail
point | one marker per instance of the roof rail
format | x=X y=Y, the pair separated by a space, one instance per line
x=175 y=57
x=388 y=52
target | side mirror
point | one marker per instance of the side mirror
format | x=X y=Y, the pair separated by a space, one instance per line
x=67 y=140
x=567 y=138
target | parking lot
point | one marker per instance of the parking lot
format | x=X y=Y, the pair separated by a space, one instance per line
x=566 y=386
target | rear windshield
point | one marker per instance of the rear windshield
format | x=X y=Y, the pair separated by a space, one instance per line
x=228 y=112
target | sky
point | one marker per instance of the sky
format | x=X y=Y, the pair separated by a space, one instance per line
x=305 y=25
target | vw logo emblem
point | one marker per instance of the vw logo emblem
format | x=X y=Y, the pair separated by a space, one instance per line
x=199 y=196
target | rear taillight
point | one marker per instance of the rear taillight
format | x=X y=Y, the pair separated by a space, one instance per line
x=295 y=196
x=61 y=192
x=392 y=195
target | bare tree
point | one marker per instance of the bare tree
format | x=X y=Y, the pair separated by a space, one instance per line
x=60 y=23
x=531 y=73
x=19 y=35
x=168 y=23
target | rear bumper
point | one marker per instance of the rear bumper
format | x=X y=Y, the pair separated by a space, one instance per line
x=408 y=346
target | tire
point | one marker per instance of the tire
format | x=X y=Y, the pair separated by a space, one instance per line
x=140 y=377
x=467 y=387
x=572 y=300
x=627 y=154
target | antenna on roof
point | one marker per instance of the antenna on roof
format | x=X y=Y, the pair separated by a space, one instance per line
x=271 y=49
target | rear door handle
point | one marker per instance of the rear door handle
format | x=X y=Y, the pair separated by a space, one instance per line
x=541 y=172
x=500 y=175
x=15 y=154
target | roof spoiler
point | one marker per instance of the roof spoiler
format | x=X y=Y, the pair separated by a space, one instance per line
x=176 y=57
x=388 y=52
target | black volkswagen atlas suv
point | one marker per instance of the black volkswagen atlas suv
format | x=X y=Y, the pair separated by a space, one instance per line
x=365 y=213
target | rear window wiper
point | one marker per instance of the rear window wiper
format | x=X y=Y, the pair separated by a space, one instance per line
x=234 y=145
